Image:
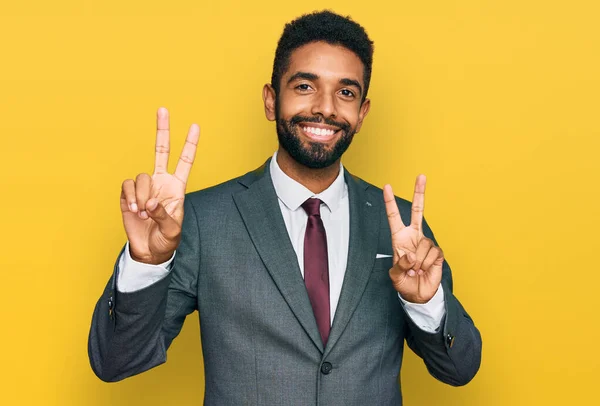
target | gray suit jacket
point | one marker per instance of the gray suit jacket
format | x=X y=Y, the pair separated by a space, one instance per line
x=261 y=345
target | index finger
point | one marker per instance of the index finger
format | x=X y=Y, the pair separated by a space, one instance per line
x=161 y=161
x=418 y=204
x=184 y=166
x=391 y=208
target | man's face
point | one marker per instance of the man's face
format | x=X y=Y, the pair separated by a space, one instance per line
x=318 y=109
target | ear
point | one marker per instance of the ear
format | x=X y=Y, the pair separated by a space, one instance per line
x=362 y=113
x=269 y=101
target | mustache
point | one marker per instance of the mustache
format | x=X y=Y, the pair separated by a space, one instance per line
x=319 y=120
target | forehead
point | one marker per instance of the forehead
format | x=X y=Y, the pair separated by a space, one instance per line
x=326 y=61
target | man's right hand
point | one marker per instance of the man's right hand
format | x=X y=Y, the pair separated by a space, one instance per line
x=152 y=206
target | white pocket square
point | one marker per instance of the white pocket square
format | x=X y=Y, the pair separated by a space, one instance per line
x=382 y=256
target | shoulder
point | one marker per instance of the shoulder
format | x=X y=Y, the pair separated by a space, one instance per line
x=216 y=192
x=376 y=193
x=219 y=197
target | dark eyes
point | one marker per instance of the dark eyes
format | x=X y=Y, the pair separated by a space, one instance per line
x=344 y=92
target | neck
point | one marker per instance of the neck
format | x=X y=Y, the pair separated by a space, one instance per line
x=315 y=180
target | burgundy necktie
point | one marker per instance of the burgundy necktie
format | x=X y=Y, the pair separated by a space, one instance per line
x=316 y=268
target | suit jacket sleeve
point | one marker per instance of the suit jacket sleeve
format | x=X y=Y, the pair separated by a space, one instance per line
x=131 y=332
x=453 y=354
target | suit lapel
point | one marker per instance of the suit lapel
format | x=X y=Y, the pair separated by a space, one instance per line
x=259 y=207
x=364 y=235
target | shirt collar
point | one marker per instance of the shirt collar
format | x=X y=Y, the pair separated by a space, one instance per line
x=293 y=193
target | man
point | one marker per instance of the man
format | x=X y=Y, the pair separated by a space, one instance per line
x=307 y=279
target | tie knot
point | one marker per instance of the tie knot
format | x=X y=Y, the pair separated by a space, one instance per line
x=312 y=206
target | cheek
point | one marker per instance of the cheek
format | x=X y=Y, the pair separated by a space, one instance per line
x=350 y=113
x=291 y=105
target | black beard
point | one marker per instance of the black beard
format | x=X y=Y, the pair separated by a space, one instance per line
x=316 y=156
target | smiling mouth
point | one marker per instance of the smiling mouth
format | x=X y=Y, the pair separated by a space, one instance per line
x=319 y=133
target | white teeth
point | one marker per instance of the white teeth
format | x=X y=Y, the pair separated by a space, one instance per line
x=318 y=131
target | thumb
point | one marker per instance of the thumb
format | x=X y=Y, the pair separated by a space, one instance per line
x=166 y=224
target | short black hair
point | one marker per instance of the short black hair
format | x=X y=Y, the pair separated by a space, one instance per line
x=324 y=26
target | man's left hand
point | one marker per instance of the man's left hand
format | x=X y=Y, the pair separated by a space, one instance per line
x=417 y=270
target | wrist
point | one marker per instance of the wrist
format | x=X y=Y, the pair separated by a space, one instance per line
x=151 y=259
x=416 y=299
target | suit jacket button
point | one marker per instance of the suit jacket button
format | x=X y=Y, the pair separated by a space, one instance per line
x=326 y=368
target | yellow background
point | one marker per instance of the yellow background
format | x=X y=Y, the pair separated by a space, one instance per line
x=496 y=101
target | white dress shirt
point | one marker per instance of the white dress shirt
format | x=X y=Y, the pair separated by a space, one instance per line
x=335 y=213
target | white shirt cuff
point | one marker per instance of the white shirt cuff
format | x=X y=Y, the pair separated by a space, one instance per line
x=134 y=275
x=428 y=316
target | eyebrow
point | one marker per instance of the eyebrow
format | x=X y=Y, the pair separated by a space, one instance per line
x=302 y=75
x=312 y=76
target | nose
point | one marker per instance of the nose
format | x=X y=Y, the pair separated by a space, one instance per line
x=324 y=105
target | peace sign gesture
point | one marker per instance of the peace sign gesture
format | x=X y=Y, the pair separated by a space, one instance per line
x=152 y=206
x=417 y=270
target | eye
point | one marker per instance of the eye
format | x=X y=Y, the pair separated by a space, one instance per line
x=303 y=86
x=347 y=92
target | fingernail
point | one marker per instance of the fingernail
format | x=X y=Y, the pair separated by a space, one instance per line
x=133 y=207
x=411 y=273
x=143 y=214
x=420 y=272
x=152 y=204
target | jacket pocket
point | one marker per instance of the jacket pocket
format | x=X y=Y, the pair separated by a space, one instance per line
x=383 y=264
